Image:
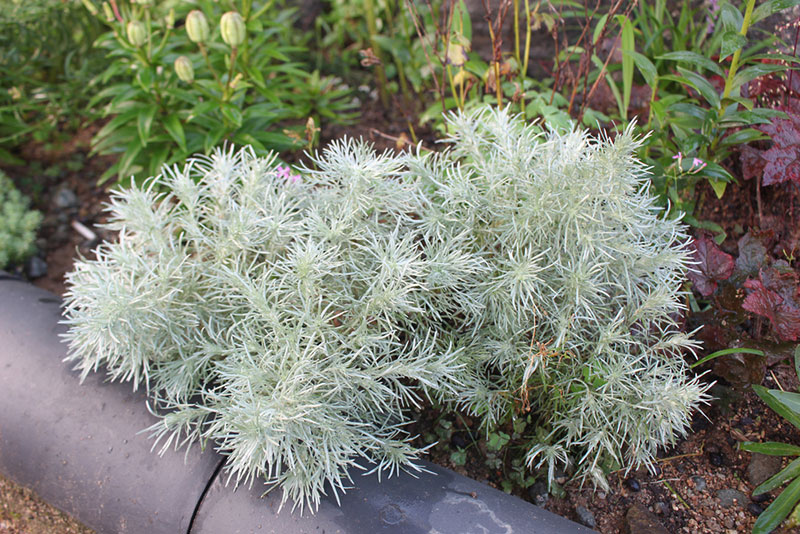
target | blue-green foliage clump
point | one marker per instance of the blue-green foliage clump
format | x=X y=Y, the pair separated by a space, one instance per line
x=18 y=224
x=294 y=322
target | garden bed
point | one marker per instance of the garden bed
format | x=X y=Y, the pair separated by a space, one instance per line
x=677 y=498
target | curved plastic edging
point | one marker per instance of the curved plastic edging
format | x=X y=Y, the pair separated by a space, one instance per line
x=441 y=502
x=79 y=447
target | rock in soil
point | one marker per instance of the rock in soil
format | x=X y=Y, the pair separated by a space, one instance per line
x=731 y=497
x=639 y=520
x=585 y=517
x=538 y=492
x=35 y=267
x=699 y=483
x=761 y=467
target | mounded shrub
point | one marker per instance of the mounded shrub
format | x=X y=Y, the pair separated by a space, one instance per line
x=294 y=322
x=18 y=224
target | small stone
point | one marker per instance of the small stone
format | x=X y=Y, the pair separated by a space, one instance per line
x=35 y=267
x=65 y=199
x=731 y=497
x=633 y=484
x=585 y=517
x=754 y=509
x=716 y=459
x=761 y=497
x=662 y=508
x=699 y=483
x=638 y=520
x=761 y=467
x=538 y=493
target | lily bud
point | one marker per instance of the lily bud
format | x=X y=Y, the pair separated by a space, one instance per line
x=107 y=12
x=232 y=28
x=145 y=3
x=137 y=34
x=171 y=19
x=184 y=69
x=197 y=26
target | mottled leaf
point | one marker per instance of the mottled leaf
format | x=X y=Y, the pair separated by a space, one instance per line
x=783 y=314
x=752 y=162
x=713 y=265
x=752 y=255
x=782 y=160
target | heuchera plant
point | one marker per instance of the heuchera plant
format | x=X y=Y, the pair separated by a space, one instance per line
x=293 y=320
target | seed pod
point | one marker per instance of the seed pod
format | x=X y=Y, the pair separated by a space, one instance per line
x=184 y=69
x=197 y=26
x=137 y=34
x=232 y=28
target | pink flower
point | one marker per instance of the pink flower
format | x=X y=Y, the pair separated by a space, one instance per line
x=699 y=163
x=285 y=174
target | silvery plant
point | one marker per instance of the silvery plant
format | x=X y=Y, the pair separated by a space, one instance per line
x=294 y=321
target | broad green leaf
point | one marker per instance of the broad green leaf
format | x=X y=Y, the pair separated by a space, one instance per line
x=645 y=66
x=598 y=29
x=144 y=120
x=731 y=42
x=789 y=399
x=462 y=23
x=754 y=71
x=747 y=103
x=175 y=129
x=797 y=360
x=743 y=137
x=730 y=17
x=628 y=45
x=127 y=160
x=702 y=86
x=695 y=59
x=771 y=448
x=767 y=395
x=778 y=510
x=718 y=186
x=233 y=114
x=772 y=6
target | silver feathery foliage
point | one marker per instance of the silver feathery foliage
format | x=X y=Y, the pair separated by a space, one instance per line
x=573 y=317
x=294 y=323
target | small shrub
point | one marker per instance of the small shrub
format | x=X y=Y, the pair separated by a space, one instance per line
x=572 y=314
x=293 y=321
x=18 y=224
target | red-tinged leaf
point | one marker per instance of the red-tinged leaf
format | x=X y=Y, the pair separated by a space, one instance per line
x=782 y=160
x=752 y=162
x=782 y=164
x=783 y=314
x=713 y=265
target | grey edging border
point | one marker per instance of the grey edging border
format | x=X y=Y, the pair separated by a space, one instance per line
x=81 y=449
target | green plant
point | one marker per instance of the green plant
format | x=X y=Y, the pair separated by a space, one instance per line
x=287 y=319
x=786 y=404
x=564 y=304
x=696 y=65
x=293 y=320
x=246 y=82
x=18 y=224
x=44 y=90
